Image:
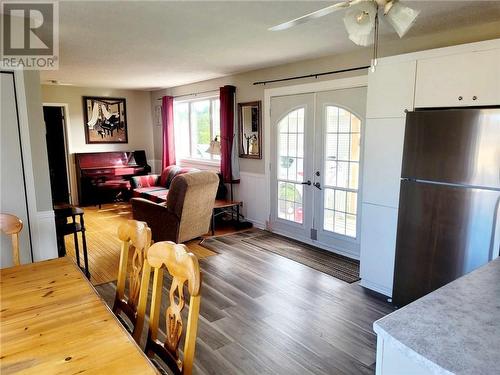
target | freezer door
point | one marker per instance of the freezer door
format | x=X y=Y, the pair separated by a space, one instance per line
x=444 y=232
x=456 y=146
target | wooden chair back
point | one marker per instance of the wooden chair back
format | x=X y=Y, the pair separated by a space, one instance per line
x=12 y=225
x=134 y=235
x=184 y=269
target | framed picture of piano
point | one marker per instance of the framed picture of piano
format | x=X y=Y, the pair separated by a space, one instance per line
x=105 y=120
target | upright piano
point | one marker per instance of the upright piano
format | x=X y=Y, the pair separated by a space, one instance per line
x=100 y=169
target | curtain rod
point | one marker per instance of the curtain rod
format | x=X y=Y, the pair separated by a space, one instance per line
x=193 y=93
x=316 y=75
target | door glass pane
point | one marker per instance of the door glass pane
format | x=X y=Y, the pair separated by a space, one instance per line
x=341 y=171
x=291 y=166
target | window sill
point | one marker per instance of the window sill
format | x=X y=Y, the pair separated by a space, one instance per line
x=200 y=164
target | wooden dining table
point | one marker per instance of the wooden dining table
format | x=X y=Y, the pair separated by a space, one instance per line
x=52 y=321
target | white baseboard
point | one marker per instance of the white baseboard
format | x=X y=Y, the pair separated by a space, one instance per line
x=43 y=234
x=376 y=287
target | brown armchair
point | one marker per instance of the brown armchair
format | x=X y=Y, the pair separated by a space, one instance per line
x=187 y=212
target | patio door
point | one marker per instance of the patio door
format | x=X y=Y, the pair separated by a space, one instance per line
x=315 y=169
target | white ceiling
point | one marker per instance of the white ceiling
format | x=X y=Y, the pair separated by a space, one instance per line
x=158 y=44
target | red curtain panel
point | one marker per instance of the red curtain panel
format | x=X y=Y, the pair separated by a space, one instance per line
x=227 y=95
x=167 y=116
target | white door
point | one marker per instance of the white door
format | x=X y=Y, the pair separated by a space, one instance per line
x=340 y=118
x=292 y=118
x=12 y=186
x=317 y=139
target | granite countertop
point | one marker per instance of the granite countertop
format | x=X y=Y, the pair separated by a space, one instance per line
x=455 y=329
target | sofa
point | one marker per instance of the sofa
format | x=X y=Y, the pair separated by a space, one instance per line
x=155 y=187
x=187 y=212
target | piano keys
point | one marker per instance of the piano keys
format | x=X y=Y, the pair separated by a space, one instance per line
x=99 y=172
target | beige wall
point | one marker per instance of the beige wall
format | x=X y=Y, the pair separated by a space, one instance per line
x=139 y=120
x=246 y=91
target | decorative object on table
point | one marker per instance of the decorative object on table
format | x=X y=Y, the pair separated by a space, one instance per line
x=249 y=115
x=12 y=225
x=185 y=272
x=105 y=120
x=214 y=147
x=133 y=235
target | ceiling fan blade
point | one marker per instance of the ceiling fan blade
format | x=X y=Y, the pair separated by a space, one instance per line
x=313 y=15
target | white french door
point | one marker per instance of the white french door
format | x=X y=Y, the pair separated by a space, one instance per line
x=315 y=169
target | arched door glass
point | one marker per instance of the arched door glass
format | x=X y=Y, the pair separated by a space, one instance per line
x=290 y=166
x=341 y=171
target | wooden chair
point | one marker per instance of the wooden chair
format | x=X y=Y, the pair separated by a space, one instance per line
x=138 y=235
x=183 y=267
x=12 y=225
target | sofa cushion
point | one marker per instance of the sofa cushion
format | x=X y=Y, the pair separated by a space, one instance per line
x=170 y=172
x=145 y=181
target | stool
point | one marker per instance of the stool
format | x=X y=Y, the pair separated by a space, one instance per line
x=116 y=186
x=63 y=228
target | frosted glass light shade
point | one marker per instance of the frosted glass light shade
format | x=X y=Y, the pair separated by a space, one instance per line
x=214 y=147
x=401 y=18
x=359 y=21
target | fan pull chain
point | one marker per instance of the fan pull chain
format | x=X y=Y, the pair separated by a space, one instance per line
x=375 y=44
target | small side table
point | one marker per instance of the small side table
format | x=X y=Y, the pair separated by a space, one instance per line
x=222 y=206
x=63 y=228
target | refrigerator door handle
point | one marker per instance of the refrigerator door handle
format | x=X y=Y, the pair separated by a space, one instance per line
x=495 y=232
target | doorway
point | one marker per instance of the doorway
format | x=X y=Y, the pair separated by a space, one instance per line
x=54 y=117
x=315 y=167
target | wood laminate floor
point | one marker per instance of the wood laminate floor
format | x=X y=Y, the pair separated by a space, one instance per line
x=265 y=314
x=103 y=245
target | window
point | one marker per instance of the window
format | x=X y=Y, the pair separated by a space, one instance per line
x=342 y=171
x=196 y=123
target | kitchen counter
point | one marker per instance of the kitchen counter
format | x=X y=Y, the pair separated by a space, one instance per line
x=455 y=329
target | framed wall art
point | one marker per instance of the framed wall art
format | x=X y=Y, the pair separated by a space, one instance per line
x=105 y=120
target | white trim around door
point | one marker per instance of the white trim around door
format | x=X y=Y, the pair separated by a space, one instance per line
x=316 y=87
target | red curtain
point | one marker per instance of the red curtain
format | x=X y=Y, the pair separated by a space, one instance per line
x=167 y=116
x=227 y=131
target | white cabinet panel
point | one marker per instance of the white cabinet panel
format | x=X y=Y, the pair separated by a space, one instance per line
x=383 y=153
x=468 y=79
x=378 y=247
x=391 y=89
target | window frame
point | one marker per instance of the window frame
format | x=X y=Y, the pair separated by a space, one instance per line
x=189 y=160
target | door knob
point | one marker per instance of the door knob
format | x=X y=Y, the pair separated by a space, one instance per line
x=474 y=97
x=460 y=98
x=308 y=182
x=318 y=185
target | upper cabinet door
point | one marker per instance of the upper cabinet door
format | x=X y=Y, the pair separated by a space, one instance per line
x=468 y=79
x=391 y=89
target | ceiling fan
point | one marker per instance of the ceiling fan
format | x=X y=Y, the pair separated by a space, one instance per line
x=361 y=18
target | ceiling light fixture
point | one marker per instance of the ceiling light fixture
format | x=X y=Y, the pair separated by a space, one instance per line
x=400 y=17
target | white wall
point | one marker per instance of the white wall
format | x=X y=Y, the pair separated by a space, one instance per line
x=246 y=91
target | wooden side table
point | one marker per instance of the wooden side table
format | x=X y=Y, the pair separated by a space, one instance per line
x=222 y=206
x=63 y=228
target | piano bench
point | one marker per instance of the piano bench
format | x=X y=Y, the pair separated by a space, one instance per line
x=117 y=187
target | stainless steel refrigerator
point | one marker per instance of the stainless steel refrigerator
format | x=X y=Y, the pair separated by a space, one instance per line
x=449 y=209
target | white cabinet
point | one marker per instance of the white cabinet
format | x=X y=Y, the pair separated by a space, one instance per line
x=383 y=153
x=391 y=89
x=378 y=247
x=466 y=79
